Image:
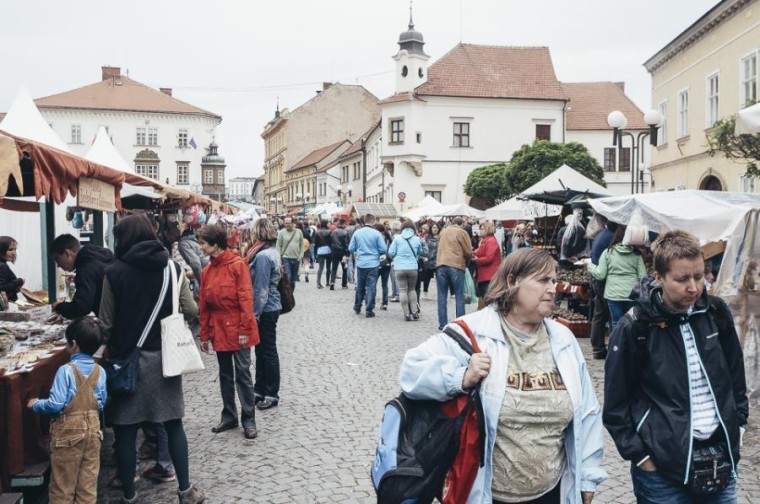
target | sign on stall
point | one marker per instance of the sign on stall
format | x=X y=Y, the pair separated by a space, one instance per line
x=96 y=195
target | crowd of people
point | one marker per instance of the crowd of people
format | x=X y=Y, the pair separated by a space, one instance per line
x=674 y=382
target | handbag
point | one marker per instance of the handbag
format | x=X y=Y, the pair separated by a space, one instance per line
x=179 y=355
x=287 y=300
x=121 y=373
x=470 y=294
x=710 y=469
x=420 y=260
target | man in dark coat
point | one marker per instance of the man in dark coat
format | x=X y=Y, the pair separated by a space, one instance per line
x=90 y=263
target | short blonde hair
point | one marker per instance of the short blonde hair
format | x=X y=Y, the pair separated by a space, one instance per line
x=487 y=228
x=522 y=263
x=264 y=230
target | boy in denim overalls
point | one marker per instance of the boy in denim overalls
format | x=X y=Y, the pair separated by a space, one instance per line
x=76 y=398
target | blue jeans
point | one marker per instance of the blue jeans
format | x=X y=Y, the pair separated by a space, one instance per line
x=447 y=277
x=366 y=285
x=652 y=488
x=384 y=274
x=617 y=310
x=291 y=270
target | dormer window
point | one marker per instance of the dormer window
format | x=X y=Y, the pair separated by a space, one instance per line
x=419 y=72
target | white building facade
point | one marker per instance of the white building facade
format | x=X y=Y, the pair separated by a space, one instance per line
x=241 y=188
x=161 y=137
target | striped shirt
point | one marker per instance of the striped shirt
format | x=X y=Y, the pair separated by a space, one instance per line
x=704 y=414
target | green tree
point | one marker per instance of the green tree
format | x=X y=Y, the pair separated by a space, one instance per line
x=488 y=183
x=735 y=147
x=531 y=163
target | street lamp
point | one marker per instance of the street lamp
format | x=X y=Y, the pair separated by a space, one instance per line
x=618 y=122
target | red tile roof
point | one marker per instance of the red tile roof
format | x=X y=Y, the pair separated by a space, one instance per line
x=401 y=97
x=121 y=93
x=591 y=103
x=316 y=156
x=480 y=71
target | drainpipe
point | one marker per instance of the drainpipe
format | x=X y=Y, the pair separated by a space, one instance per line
x=364 y=170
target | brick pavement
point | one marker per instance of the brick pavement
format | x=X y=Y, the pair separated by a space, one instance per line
x=338 y=370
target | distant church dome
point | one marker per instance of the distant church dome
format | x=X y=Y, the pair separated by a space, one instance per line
x=213 y=157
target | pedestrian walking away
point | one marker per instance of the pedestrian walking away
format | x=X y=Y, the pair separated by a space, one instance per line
x=264 y=263
x=454 y=250
x=405 y=250
x=324 y=253
x=368 y=245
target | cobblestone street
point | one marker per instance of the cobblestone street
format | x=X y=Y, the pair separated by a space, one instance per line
x=338 y=370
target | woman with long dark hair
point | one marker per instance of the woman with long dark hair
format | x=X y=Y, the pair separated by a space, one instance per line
x=385 y=267
x=324 y=252
x=131 y=290
x=8 y=281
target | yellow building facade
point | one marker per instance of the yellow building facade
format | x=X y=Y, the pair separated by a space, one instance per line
x=707 y=73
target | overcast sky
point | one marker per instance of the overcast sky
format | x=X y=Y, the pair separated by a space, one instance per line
x=236 y=58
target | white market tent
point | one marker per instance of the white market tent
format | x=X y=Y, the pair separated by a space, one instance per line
x=325 y=210
x=460 y=209
x=522 y=209
x=711 y=216
x=562 y=184
x=748 y=120
x=103 y=151
x=24 y=120
x=427 y=207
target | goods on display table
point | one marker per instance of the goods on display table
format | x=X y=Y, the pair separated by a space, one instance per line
x=580 y=325
x=23 y=344
x=573 y=289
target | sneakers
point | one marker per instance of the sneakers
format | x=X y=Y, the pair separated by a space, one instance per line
x=332 y=286
x=384 y=307
x=395 y=300
x=124 y=500
x=115 y=482
x=267 y=403
x=159 y=475
x=358 y=311
x=306 y=279
x=192 y=495
x=370 y=314
x=415 y=316
x=408 y=318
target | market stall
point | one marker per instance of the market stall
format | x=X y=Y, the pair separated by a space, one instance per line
x=715 y=218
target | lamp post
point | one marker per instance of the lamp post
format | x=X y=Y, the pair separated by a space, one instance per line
x=618 y=122
x=344 y=192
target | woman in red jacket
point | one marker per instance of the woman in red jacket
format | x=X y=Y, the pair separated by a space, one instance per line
x=227 y=322
x=487 y=257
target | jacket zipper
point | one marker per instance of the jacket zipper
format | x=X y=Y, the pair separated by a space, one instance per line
x=641 y=422
x=691 y=407
x=717 y=410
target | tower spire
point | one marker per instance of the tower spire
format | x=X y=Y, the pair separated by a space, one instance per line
x=411 y=21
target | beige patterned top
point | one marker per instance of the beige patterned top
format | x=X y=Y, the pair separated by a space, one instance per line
x=529 y=454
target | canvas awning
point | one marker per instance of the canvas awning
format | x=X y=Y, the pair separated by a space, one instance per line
x=522 y=209
x=460 y=209
x=563 y=184
x=748 y=120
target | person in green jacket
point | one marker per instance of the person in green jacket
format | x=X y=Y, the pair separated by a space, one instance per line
x=622 y=267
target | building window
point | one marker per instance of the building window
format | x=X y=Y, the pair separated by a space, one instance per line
x=434 y=194
x=749 y=80
x=220 y=177
x=357 y=171
x=182 y=138
x=153 y=136
x=662 y=132
x=746 y=184
x=183 y=174
x=147 y=170
x=461 y=134
x=713 y=104
x=683 y=113
x=544 y=132
x=344 y=173
x=397 y=131
x=419 y=137
x=141 y=137
x=624 y=161
x=208 y=176
x=76 y=133
x=609 y=159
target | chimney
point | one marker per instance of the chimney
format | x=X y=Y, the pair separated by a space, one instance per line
x=326 y=85
x=109 y=72
x=621 y=85
x=166 y=90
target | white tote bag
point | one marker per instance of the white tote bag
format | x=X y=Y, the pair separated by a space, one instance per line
x=179 y=355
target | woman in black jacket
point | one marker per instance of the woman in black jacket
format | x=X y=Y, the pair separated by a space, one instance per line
x=674 y=390
x=131 y=290
x=8 y=281
x=324 y=252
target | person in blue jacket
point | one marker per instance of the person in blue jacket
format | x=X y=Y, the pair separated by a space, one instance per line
x=368 y=245
x=405 y=250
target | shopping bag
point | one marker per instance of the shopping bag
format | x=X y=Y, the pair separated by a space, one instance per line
x=179 y=355
x=470 y=294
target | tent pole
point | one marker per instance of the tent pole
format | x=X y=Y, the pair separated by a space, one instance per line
x=97 y=229
x=47 y=221
x=546 y=217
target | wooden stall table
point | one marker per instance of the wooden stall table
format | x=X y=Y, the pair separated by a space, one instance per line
x=23 y=434
x=581 y=290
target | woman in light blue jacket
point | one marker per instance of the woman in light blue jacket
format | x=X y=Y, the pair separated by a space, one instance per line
x=544 y=436
x=405 y=250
